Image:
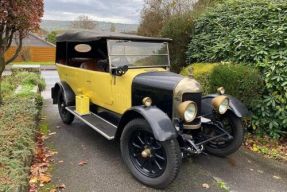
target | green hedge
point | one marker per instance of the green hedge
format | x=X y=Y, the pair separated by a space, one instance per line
x=18 y=125
x=240 y=81
x=252 y=32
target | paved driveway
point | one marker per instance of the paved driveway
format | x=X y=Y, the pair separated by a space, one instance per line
x=105 y=171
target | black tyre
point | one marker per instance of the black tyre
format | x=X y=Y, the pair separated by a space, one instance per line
x=65 y=115
x=152 y=162
x=234 y=126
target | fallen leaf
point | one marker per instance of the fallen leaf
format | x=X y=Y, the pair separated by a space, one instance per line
x=52 y=153
x=205 y=185
x=61 y=161
x=45 y=178
x=276 y=177
x=62 y=186
x=83 y=163
x=251 y=169
x=260 y=171
x=255 y=148
x=53 y=133
x=58 y=127
x=33 y=180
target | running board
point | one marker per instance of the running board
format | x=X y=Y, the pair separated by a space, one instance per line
x=102 y=126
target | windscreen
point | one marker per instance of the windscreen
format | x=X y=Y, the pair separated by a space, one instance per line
x=136 y=54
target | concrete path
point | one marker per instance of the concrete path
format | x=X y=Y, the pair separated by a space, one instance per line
x=105 y=171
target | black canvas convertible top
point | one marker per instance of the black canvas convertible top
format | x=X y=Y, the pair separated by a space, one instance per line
x=94 y=36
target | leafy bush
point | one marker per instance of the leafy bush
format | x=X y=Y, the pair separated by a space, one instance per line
x=240 y=81
x=201 y=72
x=252 y=32
x=17 y=127
x=18 y=117
x=178 y=28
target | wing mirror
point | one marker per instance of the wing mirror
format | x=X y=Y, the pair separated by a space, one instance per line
x=120 y=71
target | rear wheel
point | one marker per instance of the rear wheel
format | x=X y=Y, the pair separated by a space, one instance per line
x=65 y=115
x=152 y=162
x=222 y=147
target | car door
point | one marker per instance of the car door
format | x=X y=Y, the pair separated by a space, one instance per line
x=98 y=87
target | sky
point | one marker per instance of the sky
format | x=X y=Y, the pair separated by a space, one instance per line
x=118 y=11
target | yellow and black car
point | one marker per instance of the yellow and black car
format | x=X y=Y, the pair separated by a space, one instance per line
x=120 y=85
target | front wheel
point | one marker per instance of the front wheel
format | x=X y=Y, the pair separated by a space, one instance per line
x=152 y=162
x=222 y=147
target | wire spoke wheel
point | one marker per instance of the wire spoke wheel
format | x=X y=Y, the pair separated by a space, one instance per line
x=222 y=142
x=154 y=163
x=147 y=154
x=223 y=146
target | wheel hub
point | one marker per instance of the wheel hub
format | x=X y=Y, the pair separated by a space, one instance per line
x=146 y=153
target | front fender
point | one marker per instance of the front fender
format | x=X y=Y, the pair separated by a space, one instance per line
x=236 y=106
x=159 y=122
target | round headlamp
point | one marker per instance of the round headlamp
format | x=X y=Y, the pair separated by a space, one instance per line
x=221 y=91
x=221 y=104
x=187 y=111
x=147 y=101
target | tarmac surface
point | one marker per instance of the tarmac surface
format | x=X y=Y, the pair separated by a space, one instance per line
x=105 y=171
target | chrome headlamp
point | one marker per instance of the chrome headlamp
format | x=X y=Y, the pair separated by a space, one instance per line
x=221 y=104
x=147 y=102
x=187 y=111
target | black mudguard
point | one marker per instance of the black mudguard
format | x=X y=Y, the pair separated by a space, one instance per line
x=236 y=106
x=69 y=95
x=160 y=123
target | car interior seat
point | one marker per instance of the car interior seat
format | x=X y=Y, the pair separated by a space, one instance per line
x=92 y=65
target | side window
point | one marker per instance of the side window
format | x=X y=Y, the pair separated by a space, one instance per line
x=88 y=56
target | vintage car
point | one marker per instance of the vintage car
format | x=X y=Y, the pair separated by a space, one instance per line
x=120 y=85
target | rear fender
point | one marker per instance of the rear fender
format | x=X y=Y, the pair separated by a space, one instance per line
x=65 y=89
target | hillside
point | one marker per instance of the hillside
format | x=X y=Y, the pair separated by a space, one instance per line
x=53 y=25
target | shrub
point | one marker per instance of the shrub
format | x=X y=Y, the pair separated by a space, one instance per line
x=17 y=127
x=252 y=32
x=201 y=72
x=178 y=28
x=240 y=81
x=18 y=124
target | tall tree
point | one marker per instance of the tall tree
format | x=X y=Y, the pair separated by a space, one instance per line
x=17 y=19
x=84 y=22
x=51 y=37
x=156 y=13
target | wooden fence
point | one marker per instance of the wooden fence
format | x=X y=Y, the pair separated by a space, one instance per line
x=33 y=54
